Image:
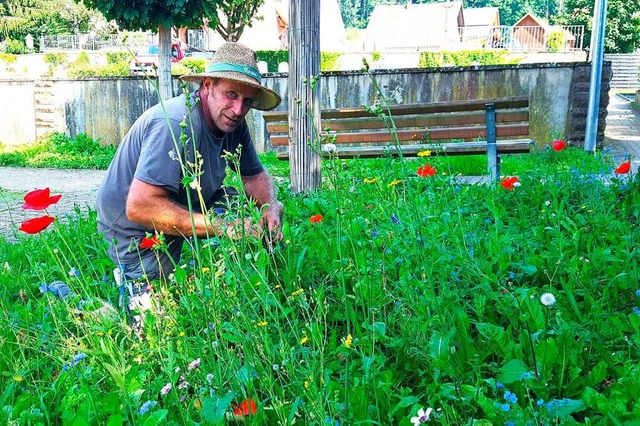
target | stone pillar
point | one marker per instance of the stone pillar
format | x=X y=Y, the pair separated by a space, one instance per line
x=579 y=102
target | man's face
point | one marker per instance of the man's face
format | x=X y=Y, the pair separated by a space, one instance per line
x=225 y=103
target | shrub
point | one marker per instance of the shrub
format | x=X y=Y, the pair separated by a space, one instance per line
x=119 y=69
x=463 y=58
x=328 y=60
x=82 y=59
x=15 y=46
x=194 y=65
x=117 y=57
x=55 y=59
x=273 y=58
x=556 y=41
x=9 y=58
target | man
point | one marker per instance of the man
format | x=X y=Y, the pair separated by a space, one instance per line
x=144 y=189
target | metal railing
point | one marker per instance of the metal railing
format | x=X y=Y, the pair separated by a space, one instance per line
x=525 y=39
x=95 y=42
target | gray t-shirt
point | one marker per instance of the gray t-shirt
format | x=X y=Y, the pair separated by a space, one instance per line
x=150 y=153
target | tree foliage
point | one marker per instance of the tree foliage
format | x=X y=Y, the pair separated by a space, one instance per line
x=150 y=14
x=622 y=28
x=238 y=14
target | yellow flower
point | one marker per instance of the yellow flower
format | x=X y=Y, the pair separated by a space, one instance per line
x=306 y=384
x=348 y=341
x=297 y=292
x=262 y=323
x=198 y=404
x=100 y=333
x=17 y=378
x=425 y=153
x=372 y=180
x=205 y=270
x=394 y=183
x=304 y=340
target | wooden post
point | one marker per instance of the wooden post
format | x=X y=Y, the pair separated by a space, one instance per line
x=304 y=103
x=165 y=88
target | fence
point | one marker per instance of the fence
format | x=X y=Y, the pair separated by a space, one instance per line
x=95 y=42
x=626 y=70
x=524 y=39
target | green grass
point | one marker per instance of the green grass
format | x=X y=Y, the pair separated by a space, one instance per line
x=410 y=292
x=59 y=151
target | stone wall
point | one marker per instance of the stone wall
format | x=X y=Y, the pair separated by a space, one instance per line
x=105 y=109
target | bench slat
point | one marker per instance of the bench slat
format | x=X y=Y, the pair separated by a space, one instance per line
x=518 y=146
x=429 y=108
x=434 y=134
x=417 y=121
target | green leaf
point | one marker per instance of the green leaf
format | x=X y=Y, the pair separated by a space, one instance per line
x=405 y=402
x=157 y=418
x=214 y=408
x=564 y=407
x=512 y=371
x=115 y=420
x=231 y=337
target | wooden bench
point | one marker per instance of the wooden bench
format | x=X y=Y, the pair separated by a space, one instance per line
x=473 y=127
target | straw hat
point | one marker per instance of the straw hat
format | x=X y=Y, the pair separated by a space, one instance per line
x=233 y=61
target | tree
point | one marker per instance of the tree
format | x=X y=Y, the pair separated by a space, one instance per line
x=622 y=27
x=238 y=14
x=161 y=15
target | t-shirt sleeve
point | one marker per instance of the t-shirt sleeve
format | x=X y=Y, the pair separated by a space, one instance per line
x=159 y=162
x=250 y=164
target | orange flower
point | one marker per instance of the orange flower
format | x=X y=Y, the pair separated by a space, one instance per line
x=316 y=218
x=623 y=168
x=510 y=183
x=558 y=145
x=426 y=170
x=149 y=242
x=36 y=225
x=246 y=408
x=39 y=199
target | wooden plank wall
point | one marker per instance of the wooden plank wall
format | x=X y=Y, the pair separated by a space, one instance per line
x=626 y=70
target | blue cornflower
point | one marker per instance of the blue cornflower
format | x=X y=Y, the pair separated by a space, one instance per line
x=512 y=274
x=638 y=293
x=147 y=406
x=76 y=359
x=510 y=397
x=219 y=211
x=509 y=424
x=526 y=375
x=636 y=310
x=540 y=402
x=73 y=272
x=504 y=407
x=394 y=219
x=375 y=233
x=499 y=385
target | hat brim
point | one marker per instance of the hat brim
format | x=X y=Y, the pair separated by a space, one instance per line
x=266 y=99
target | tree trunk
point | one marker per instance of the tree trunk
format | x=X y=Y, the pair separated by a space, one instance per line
x=304 y=102
x=165 y=88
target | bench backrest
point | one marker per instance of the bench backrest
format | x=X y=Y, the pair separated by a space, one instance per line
x=418 y=123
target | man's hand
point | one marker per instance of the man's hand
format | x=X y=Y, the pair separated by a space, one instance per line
x=272 y=220
x=242 y=228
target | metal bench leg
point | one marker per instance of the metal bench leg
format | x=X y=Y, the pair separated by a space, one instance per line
x=493 y=161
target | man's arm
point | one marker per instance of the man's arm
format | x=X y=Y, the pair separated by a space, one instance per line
x=150 y=206
x=260 y=188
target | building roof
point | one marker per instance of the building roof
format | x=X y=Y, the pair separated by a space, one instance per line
x=414 y=25
x=481 y=16
x=532 y=18
x=264 y=34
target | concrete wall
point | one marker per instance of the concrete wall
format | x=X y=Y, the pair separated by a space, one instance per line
x=106 y=108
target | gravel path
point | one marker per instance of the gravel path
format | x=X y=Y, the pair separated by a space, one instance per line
x=78 y=189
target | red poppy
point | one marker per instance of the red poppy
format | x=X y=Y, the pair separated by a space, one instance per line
x=39 y=199
x=558 y=145
x=36 y=225
x=509 y=183
x=246 y=408
x=623 y=168
x=426 y=170
x=149 y=242
x=316 y=218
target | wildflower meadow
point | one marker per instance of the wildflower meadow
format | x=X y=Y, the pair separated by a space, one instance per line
x=400 y=295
